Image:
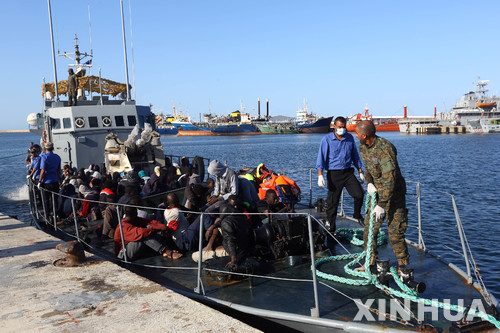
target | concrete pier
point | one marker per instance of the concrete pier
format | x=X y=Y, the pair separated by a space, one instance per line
x=97 y=297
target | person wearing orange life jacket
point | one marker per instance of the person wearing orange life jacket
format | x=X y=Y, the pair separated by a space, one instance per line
x=337 y=152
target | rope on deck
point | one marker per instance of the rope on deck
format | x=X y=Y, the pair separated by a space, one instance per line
x=369 y=278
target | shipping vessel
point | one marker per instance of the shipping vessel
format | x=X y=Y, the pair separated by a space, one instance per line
x=382 y=124
x=277 y=128
x=308 y=122
x=473 y=110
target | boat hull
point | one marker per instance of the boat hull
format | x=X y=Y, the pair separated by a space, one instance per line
x=277 y=129
x=167 y=131
x=194 y=133
x=235 y=129
x=378 y=127
x=321 y=125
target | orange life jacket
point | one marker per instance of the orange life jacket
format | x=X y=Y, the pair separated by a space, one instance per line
x=287 y=190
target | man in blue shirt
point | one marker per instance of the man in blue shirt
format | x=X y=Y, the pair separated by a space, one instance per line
x=337 y=153
x=50 y=173
x=34 y=168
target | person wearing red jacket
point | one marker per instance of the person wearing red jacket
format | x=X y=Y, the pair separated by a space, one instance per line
x=140 y=234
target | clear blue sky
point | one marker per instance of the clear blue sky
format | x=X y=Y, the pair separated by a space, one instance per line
x=338 y=55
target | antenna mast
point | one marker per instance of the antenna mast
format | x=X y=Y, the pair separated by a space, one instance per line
x=53 y=53
x=125 y=52
x=132 y=46
x=91 y=51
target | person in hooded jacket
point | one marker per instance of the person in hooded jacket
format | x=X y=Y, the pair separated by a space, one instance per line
x=226 y=180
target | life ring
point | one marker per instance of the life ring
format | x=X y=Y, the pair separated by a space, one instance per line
x=106 y=121
x=79 y=122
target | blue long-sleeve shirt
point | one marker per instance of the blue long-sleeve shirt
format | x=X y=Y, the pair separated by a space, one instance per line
x=335 y=154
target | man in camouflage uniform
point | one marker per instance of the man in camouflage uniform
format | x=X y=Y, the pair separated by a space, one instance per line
x=72 y=87
x=384 y=177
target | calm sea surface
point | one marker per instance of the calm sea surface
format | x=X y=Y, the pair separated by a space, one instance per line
x=462 y=165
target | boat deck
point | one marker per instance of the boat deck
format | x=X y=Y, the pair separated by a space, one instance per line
x=285 y=285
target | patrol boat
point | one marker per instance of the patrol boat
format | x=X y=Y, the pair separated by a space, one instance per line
x=296 y=282
x=82 y=133
x=473 y=110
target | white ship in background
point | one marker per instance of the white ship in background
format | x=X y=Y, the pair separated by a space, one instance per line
x=475 y=110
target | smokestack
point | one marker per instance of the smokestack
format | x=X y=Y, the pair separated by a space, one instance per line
x=267 y=107
x=406 y=113
x=435 y=115
x=258 y=107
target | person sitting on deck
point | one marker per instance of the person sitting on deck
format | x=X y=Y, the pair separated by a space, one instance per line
x=155 y=184
x=110 y=221
x=195 y=197
x=270 y=204
x=129 y=179
x=184 y=235
x=237 y=232
x=90 y=206
x=66 y=192
x=130 y=191
x=108 y=188
x=139 y=235
x=67 y=173
x=226 y=181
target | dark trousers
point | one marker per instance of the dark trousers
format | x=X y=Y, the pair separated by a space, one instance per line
x=71 y=97
x=136 y=249
x=337 y=180
x=190 y=238
x=47 y=196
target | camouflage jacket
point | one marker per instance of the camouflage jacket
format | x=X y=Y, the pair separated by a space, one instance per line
x=382 y=169
x=72 y=81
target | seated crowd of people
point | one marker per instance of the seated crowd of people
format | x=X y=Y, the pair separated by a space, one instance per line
x=172 y=228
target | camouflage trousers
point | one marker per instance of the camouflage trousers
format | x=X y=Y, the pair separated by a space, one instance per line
x=397 y=223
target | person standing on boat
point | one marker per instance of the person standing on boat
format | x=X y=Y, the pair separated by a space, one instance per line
x=72 y=87
x=383 y=177
x=337 y=153
x=50 y=174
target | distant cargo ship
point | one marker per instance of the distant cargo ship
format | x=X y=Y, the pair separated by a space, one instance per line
x=310 y=123
x=382 y=124
x=276 y=128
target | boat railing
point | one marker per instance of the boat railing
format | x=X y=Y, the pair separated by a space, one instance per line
x=414 y=196
x=178 y=159
x=43 y=214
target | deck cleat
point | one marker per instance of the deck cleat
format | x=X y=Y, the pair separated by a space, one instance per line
x=406 y=276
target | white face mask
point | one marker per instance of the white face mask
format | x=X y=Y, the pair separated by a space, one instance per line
x=341 y=131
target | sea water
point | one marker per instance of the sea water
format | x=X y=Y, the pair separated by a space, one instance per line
x=464 y=166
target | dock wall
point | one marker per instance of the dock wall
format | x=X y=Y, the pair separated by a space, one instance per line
x=97 y=297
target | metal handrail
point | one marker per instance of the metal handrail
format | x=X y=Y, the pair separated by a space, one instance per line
x=314 y=311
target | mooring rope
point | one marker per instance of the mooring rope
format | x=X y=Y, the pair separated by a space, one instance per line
x=369 y=278
x=17 y=155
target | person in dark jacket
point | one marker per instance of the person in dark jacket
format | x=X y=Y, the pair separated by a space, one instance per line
x=110 y=217
x=72 y=87
x=237 y=234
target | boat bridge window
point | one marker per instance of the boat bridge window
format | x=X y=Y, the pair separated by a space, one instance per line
x=106 y=121
x=131 y=120
x=119 y=121
x=55 y=123
x=67 y=122
x=93 y=122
